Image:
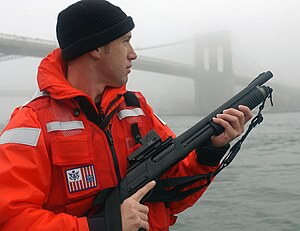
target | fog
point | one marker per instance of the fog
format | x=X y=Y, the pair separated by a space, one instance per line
x=265 y=36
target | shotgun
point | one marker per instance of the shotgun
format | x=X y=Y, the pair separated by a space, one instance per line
x=155 y=156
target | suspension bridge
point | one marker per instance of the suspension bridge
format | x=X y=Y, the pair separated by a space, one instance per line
x=212 y=72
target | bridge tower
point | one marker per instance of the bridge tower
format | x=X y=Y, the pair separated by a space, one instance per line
x=213 y=63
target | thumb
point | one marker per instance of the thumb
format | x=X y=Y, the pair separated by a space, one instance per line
x=138 y=195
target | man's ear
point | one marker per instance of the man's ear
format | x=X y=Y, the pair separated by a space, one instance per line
x=96 y=54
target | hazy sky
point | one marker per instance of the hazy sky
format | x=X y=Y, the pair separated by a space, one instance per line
x=266 y=33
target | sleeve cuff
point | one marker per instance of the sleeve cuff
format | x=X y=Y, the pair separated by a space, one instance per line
x=209 y=155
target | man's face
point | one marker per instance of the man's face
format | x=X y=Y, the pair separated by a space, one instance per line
x=117 y=60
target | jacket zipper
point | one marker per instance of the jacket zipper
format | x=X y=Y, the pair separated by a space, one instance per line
x=109 y=137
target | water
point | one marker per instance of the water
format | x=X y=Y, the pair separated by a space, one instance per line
x=260 y=190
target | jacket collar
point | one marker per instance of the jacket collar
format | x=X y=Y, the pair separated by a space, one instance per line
x=51 y=78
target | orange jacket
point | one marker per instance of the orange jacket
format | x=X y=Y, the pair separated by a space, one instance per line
x=49 y=176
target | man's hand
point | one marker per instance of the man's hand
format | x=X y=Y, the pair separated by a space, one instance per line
x=233 y=121
x=135 y=215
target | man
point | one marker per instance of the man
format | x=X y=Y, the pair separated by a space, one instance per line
x=72 y=140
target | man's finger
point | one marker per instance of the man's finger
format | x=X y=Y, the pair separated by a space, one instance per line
x=144 y=225
x=236 y=122
x=143 y=191
x=247 y=112
x=143 y=216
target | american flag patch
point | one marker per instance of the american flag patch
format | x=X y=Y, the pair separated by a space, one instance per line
x=81 y=178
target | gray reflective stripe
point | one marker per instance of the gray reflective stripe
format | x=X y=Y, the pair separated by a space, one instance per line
x=163 y=122
x=130 y=112
x=64 y=126
x=27 y=136
x=39 y=93
x=36 y=94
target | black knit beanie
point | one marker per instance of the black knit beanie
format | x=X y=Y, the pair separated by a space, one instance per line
x=88 y=24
